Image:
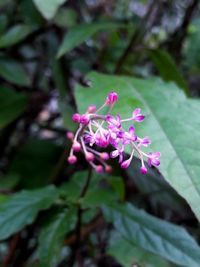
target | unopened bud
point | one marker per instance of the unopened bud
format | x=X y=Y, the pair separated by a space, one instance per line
x=84 y=119
x=91 y=109
x=76 y=146
x=99 y=168
x=89 y=156
x=72 y=159
x=70 y=135
x=104 y=156
x=76 y=117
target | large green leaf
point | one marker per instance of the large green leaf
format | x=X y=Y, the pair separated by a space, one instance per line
x=167 y=68
x=12 y=104
x=48 y=8
x=154 y=235
x=22 y=209
x=14 y=35
x=13 y=72
x=128 y=254
x=52 y=236
x=172 y=122
x=80 y=33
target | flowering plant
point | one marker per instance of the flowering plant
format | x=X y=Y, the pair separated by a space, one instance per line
x=99 y=131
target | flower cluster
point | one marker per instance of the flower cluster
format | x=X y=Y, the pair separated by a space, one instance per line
x=100 y=131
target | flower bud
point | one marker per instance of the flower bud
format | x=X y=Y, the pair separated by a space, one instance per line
x=99 y=168
x=91 y=109
x=143 y=170
x=72 y=159
x=76 y=117
x=70 y=135
x=104 y=156
x=84 y=119
x=89 y=156
x=125 y=164
x=76 y=146
x=111 y=98
x=108 y=169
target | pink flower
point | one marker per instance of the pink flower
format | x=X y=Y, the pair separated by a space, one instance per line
x=136 y=116
x=113 y=122
x=129 y=136
x=144 y=141
x=154 y=159
x=97 y=132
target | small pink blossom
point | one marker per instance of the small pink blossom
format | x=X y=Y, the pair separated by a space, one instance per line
x=96 y=132
x=136 y=116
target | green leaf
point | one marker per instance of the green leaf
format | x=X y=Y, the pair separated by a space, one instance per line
x=12 y=104
x=97 y=194
x=128 y=254
x=22 y=209
x=158 y=191
x=167 y=68
x=9 y=181
x=36 y=159
x=172 y=122
x=13 y=72
x=48 y=8
x=65 y=17
x=80 y=33
x=52 y=236
x=14 y=35
x=154 y=235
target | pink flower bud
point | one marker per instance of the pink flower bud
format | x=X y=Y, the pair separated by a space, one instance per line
x=143 y=170
x=111 y=98
x=76 y=146
x=72 y=159
x=99 y=168
x=70 y=135
x=91 y=109
x=104 y=156
x=89 y=156
x=76 y=117
x=108 y=169
x=125 y=164
x=84 y=119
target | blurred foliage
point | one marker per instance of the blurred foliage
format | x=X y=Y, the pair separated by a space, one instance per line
x=52 y=56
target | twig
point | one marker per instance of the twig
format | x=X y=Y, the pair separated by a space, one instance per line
x=175 y=41
x=78 y=235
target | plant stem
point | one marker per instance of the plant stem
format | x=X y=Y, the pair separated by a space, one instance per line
x=79 y=219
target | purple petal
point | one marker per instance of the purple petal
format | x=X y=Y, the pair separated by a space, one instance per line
x=114 y=154
x=136 y=112
x=131 y=130
x=139 y=118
